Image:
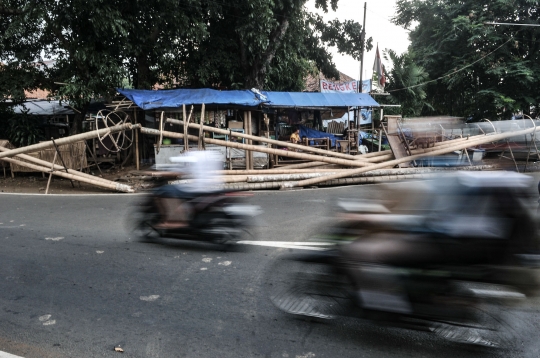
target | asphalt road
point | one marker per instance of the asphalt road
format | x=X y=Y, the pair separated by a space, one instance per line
x=74 y=283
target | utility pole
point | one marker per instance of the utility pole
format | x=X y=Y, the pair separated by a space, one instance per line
x=363 y=39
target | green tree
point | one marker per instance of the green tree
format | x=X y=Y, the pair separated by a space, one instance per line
x=269 y=44
x=405 y=85
x=96 y=45
x=484 y=70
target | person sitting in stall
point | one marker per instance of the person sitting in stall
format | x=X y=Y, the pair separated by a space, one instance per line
x=295 y=136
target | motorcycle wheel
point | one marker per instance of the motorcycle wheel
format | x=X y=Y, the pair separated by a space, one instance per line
x=307 y=289
x=222 y=232
x=141 y=222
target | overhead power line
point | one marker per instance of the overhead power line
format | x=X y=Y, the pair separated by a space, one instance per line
x=510 y=24
x=453 y=72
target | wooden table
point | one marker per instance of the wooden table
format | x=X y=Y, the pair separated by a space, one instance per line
x=323 y=143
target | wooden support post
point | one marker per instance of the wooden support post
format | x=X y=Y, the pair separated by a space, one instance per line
x=201 y=130
x=62 y=160
x=186 y=124
x=50 y=174
x=250 y=141
x=247 y=141
x=512 y=155
x=137 y=159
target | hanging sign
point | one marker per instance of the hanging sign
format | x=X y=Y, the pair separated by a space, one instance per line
x=343 y=87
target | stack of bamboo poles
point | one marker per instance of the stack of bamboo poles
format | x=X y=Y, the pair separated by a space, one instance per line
x=19 y=156
x=332 y=168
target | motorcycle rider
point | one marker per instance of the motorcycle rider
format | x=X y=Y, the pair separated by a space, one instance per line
x=202 y=170
x=471 y=219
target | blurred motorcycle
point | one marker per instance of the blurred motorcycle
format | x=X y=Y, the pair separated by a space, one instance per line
x=220 y=217
x=441 y=256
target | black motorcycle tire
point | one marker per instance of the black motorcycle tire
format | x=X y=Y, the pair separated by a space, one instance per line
x=308 y=289
x=142 y=220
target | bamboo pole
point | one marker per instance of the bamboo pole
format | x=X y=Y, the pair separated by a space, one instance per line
x=268 y=140
x=67 y=140
x=108 y=185
x=45 y=163
x=386 y=154
x=246 y=128
x=461 y=145
x=396 y=171
x=373 y=179
x=250 y=141
x=137 y=160
x=262 y=149
x=200 y=144
x=50 y=174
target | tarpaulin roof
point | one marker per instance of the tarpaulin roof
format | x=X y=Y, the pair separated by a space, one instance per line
x=149 y=99
x=317 y=99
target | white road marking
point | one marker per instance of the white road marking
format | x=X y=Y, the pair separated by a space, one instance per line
x=225 y=263
x=54 y=238
x=44 y=318
x=303 y=245
x=149 y=298
x=207 y=259
x=8 y=355
x=100 y=252
x=203 y=269
x=49 y=323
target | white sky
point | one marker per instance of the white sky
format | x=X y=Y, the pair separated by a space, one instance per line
x=378 y=26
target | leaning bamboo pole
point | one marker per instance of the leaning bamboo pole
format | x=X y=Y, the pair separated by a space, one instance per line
x=262 y=149
x=110 y=185
x=70 y=139
x=44 y=163
x=461 y=145
x=268 y=140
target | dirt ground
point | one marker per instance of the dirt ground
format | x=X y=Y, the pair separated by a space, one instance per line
x=36 y=183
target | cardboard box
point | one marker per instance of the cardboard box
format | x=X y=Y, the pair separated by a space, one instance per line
x=236 y=125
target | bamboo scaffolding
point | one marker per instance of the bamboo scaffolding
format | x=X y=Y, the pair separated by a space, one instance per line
x=107 y=185
x=462 y=144
x=70 y=139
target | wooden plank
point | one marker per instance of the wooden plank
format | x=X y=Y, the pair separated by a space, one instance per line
x=396 y=145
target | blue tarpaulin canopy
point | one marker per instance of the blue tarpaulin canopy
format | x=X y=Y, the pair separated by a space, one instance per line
x=318 y=100
x=148 y=99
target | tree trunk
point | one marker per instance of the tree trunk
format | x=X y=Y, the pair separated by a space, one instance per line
x=80 y=114
x=143 y=73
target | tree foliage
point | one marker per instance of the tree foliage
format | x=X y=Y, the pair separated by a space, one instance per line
x=405 y=81
x=483 y=70
x=96 y=45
